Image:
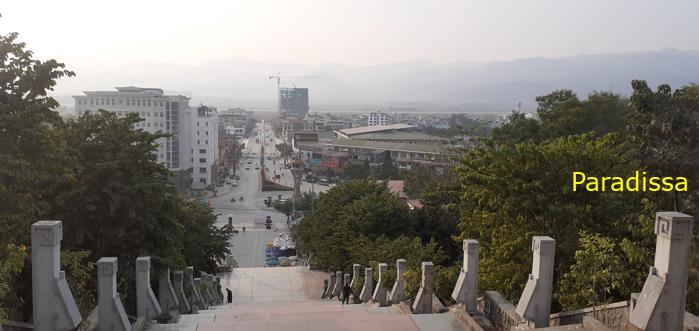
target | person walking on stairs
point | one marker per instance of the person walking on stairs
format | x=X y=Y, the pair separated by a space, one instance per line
x=346 y=290
x=229 y=295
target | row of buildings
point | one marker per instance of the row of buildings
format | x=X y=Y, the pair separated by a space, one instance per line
x=190 y=150
x=331 y=150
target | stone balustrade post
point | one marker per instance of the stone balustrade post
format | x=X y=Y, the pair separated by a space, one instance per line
x=368 y=287
x=356 y=269
x=466 y=289
x=380 y=296
x=338 y=284
x=111 y=314
x=178 y=279
x=325 y=288
x=198 y=286
x=217 y=287
x=166 y=292
x=423 y=300
x=331 y=287
x=535 y=303
x=195 y=299
x=661 y=304
x=398 y=290
x=212 y=289
x=53 y=303
x=201 y=286
x=146 y=303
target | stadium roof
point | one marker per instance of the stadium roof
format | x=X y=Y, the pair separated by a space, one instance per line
x=397 y=135
x=374 y=128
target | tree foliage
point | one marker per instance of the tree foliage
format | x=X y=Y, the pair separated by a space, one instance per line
x=97 y=174
x=356 y=171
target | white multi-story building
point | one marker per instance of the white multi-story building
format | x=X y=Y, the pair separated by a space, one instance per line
x=204 y=149
x=170 y=114
x=377 y=118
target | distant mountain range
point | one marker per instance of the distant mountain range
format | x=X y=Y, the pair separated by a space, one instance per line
x=415 y=85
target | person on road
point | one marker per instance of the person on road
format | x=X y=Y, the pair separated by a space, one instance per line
x=229 y=295
x=346 y=291
x=243 y=229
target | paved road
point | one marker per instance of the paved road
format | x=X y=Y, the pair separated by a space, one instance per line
x=248 y=247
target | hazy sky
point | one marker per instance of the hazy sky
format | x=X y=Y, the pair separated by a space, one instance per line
x=352 y=32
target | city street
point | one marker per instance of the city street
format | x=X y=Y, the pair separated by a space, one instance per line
x=248 y=247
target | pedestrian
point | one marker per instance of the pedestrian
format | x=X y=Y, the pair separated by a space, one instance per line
x=346 y=291
x=243 y=229
x=229 y=294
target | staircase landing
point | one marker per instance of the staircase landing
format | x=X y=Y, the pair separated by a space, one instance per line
x=287 y=299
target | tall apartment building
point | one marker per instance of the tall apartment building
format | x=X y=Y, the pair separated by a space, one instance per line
x=293 y=101
x=204 y=149
x=377 y=118
x=170 y=114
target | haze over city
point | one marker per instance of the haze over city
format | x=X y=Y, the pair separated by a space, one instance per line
x=470 y=55
x=324 y=165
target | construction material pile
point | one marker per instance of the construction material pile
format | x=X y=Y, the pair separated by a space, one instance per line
x=283 y=241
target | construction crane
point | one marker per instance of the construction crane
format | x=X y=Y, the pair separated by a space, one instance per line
x=279 y=87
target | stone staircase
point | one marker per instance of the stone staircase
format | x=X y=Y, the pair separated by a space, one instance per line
x=283 y=299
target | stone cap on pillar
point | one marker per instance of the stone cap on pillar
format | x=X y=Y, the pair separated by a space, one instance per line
x=107 y=266
x=471 y=246
x=143 y=263
x=47 y=233
x=673 y=225
x=543 y=244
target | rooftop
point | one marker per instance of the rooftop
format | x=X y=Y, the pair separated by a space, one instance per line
x=396 y=135
x=374 y=128
x=383 y=145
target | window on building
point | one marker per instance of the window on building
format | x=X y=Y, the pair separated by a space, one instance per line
x=202 y=170
x=202 y=160
x=206 y=142
x=202 y=180
x=113 y=102
x=207 y=133
x=128 y=102
x=161 y=104
x=148 y=103
x=203 y=151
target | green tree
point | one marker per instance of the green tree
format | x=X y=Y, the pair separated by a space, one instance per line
x=356 y=171
x=518 y=129
x=347 y=211
x=32 y=164
x=598 y=275
x=514 y=192
x=387 y=170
